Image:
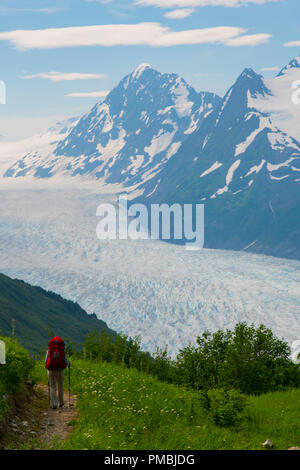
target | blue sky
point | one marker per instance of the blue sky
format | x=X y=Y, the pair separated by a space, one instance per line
x=59 y=57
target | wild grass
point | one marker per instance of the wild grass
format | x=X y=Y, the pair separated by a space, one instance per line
x=121 y=408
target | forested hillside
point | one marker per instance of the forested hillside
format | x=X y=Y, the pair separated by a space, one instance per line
x=32 y=314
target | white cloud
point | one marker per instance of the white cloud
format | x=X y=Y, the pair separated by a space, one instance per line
x=270 y=69
x=179 y=14
x=99 y=1
x=91 y=94
x=292 y=44
x=249 y=40
x=149 y=34
x=20 y=127
x=201 y=3
x=10 y=10
x=46 y=10
x=60 y=76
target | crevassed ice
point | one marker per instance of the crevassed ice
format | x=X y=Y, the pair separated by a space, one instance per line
x=163 y=292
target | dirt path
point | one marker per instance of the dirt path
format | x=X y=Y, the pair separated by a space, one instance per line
x=57 y=423
x=34 y=425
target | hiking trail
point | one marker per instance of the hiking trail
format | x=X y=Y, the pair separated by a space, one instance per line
x=34 y=425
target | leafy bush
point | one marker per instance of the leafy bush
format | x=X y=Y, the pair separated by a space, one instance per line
x=225 y=406
x=18 y=368
x=251 y=360
x=119 y=349
x=3 y=400
x=162 y=366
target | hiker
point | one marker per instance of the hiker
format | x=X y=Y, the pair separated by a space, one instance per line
x=56 y=361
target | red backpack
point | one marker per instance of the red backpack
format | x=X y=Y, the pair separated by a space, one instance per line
x=56 y=354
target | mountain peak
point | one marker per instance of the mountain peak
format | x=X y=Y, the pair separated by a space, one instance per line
x=236 y=100
x=249 y=73
x=140 y=70
x=293 y=64
x=250 y=81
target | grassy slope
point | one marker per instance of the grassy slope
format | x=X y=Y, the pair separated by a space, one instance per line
x=36 y=311
x=124 y=409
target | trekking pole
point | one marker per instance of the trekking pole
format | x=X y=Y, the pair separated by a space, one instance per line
x=69 y=385
x=48 y=390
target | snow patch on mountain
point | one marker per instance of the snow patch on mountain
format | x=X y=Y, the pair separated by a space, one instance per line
x=109 y=151
x=139 y=70
x=231 y=171
x=278 y=178
x=242 y=147
x=279 y=104
x=256 y=168
x=279 y=140
x=160 y=143
x=274 y=167
x=182 y=106
x=225 y=101
x=212 y=168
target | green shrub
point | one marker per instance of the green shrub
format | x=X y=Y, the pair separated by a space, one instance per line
x=119 y=349
x=225 y=406
x=18 y=368
x=249 y=359
x=3 y=400
x=162 y=366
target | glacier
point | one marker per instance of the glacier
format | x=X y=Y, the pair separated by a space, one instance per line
x=160 y=291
